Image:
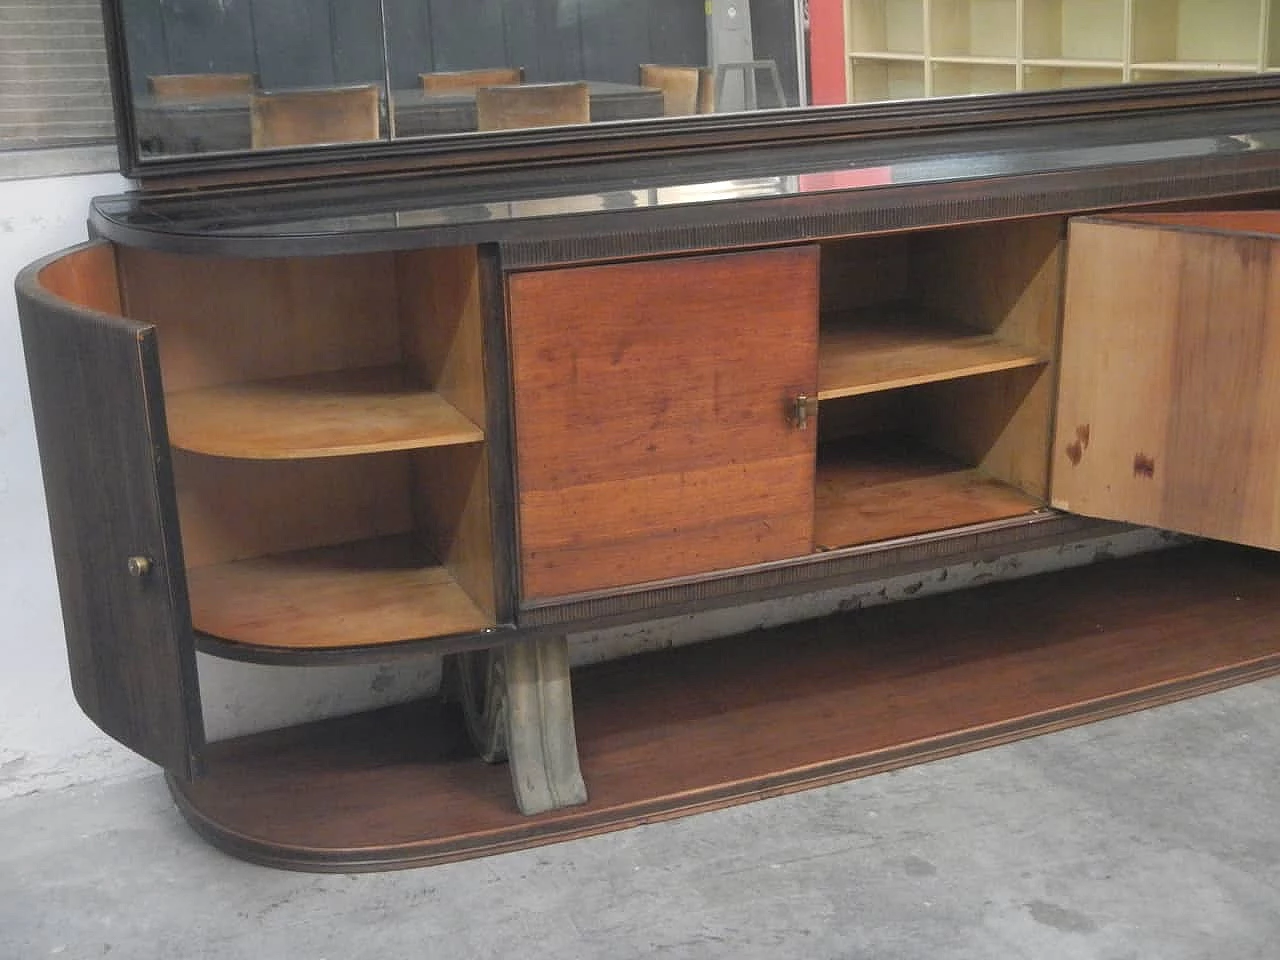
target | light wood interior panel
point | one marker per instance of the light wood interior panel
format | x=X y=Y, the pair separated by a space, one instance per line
x=652 y=430
x=224 y=320
x=354 y=594
x=452 y=511
x=237 y=509
x=86 y=277
x=1000 y=424
x=336 y=413
x=1169 y=411
x=1004 y=277
x=441 y=321
x=888 y=486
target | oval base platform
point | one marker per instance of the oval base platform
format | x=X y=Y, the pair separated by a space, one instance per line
x=688 y=730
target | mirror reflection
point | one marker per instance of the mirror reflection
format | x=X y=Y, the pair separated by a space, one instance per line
x=235 y=75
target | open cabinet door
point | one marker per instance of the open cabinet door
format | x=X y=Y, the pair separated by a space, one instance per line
x=96 y=396
x=1169 y=401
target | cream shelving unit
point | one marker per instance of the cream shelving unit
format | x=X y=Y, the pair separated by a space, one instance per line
x=904 y=49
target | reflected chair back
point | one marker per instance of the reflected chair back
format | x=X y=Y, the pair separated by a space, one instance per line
x=457 y=81
x=201 y=86
x=289 y=118
x=532 y=105
x=685 y=90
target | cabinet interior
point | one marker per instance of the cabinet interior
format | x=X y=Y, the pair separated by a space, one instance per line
x=935 y=379
x=327 y=421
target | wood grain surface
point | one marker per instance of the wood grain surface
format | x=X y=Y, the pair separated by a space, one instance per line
x=340 y=413
x=880 y=488
x=892 y=348
x=651 y=417
x=692 y=729
x=1169 y=409
x=354 y=594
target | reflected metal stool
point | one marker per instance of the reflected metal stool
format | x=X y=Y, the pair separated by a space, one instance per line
x=749 y=69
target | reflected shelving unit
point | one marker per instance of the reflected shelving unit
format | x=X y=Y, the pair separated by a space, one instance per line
x=905 y=49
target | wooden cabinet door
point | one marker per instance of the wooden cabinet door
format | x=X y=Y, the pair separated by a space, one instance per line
x=96 y=396
x=1169 y=403
x=654 y=436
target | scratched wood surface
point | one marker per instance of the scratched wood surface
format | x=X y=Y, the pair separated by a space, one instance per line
x=651 y=417
x=1169 y=409
x=724 y=722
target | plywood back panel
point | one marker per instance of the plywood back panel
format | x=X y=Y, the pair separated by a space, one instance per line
x=451 y=509
x=1004 y=277
x=238 y=509
x=223 y=320
x=441 y=319
x=1169 y=411
x=863 y=272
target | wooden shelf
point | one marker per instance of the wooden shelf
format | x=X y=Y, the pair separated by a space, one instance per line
x=358 y=594
x=339 y=413
x=880 y=488
x=868 y=352
x=704 y=726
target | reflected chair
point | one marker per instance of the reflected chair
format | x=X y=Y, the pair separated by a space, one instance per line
x=685 y=90
x=200 y=86
x=290 y=118
x=466 y=81
x=532 y=105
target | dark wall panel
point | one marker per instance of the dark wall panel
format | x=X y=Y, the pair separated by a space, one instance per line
x=546 y=38
x=678 y=32
x=409 y=30
x=773 y=37
x=294 y=40
x=615 y=39
x=468 y=36
x=357 y=41
x=144 y=36
x=208 y=36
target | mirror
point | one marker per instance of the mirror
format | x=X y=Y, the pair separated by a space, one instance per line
x=226 y=77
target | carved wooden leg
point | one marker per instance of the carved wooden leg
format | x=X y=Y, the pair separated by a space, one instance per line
x=541 y=744
x=518 y=706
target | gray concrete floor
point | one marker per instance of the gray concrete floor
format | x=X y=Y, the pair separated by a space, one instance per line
x=1154 y=835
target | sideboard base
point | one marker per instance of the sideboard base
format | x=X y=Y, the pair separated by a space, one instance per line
x=696 y=728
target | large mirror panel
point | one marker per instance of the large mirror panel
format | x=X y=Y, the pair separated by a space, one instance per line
x=229 y=76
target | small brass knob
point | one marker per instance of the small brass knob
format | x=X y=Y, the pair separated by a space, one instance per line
x=139 y=566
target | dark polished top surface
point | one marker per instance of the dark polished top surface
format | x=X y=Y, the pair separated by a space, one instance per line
x=398 y=211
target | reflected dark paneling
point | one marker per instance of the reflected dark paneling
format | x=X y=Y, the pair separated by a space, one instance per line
x=285 y=43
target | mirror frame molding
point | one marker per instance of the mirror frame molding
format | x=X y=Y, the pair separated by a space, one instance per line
x=633 y=139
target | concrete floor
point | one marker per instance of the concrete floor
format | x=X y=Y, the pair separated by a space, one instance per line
x=1151 y=836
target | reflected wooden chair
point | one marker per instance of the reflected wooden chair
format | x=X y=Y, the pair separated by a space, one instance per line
x=200 y=86
x=685 y=90
x=532 y=105
x=466 y=81
x=290 y=118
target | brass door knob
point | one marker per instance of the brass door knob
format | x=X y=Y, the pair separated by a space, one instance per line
x=139 y=566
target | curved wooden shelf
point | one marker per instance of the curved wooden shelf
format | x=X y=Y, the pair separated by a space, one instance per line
x=352 y=595
x=705 y=726
x=873 y=350
x=338 y=413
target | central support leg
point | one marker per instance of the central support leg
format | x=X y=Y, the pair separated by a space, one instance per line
x=519 y=706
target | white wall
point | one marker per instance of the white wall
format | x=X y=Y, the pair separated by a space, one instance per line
x=45 y=741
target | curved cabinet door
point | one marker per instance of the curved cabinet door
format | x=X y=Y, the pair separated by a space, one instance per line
x=96 y=396
x=653 y=417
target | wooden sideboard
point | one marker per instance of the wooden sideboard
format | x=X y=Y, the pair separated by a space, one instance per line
x=375 y=418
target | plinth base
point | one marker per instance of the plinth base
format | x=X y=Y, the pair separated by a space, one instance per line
x=682 y=731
